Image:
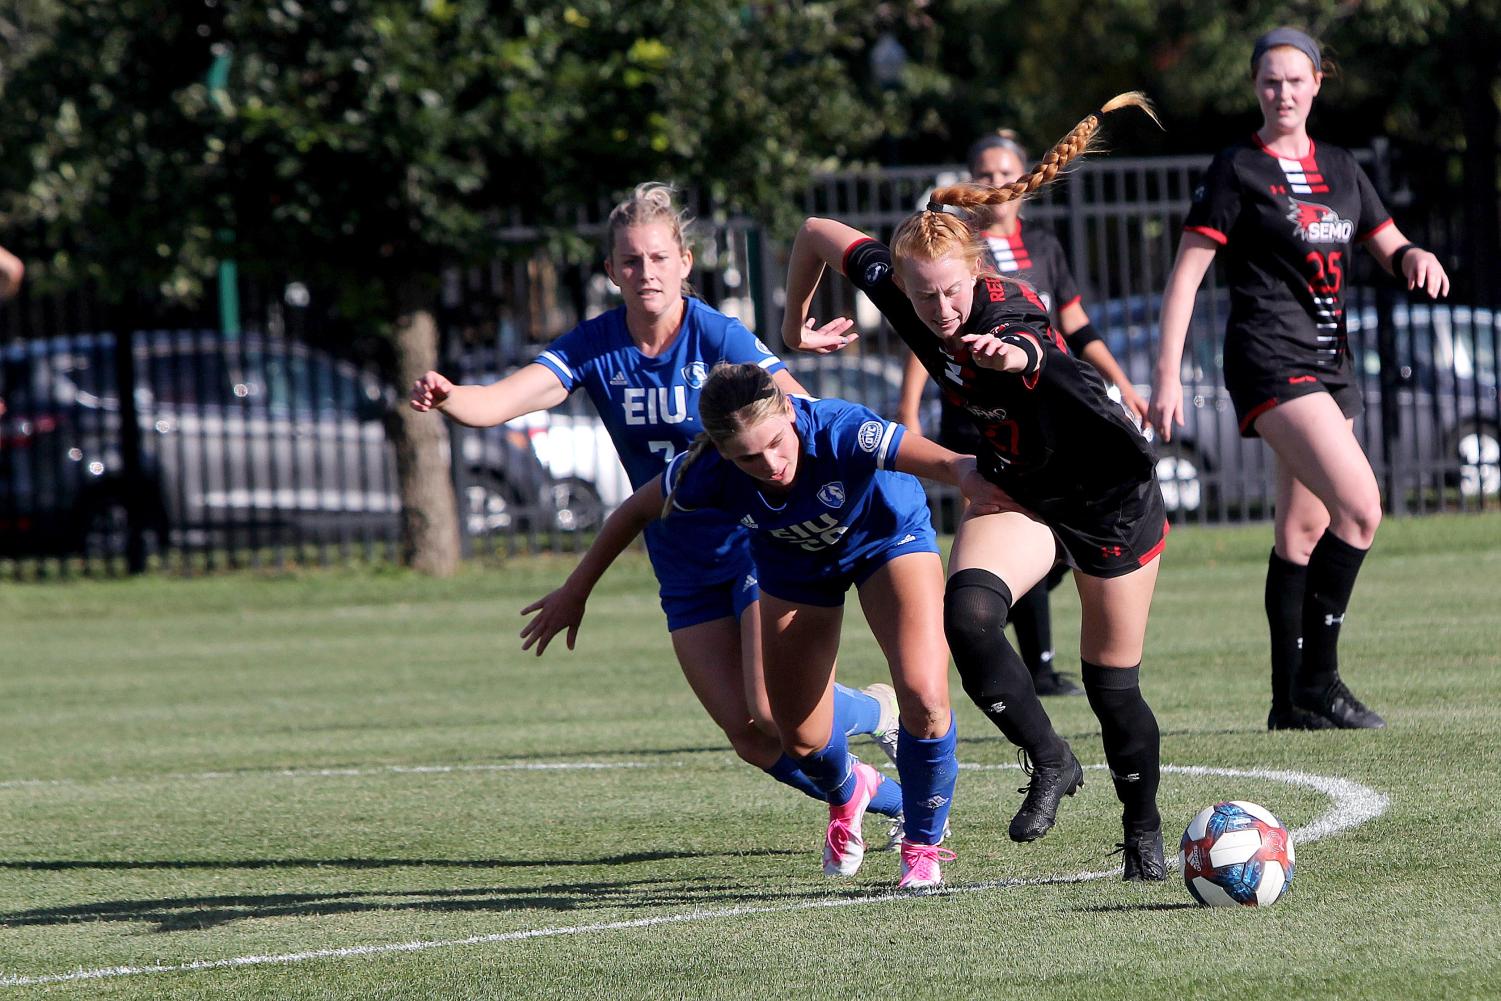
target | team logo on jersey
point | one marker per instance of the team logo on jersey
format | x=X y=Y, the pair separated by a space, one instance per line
x=761 y=347
x=875 y=271
x=618 y=379
x=831 y=494
x=749 y=522
x=870 y=435
x=1317 y=223
x=694 y=374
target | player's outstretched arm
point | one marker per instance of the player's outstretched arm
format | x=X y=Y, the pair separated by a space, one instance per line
x=532 y=387
x=1195 y=254
x=11 y=273
x=931 y=461
x=914 y=381
x=564 y=608
x=820 y=243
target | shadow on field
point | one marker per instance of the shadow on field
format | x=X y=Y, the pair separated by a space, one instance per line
x=631 y=858
x=175 y=914
x=1129 y=908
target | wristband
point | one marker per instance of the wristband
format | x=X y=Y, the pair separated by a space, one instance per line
x=1400 y=253
x=1081 y=338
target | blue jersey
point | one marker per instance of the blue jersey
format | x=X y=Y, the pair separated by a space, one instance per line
x=846 y=504
x=650 y=408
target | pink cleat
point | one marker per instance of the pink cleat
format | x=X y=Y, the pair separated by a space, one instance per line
x=920 y=870
x=843 y=847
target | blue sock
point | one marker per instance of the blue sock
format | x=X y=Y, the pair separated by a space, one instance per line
x=888 y=798
x=786 y=772
x=855 y=712
x=832 y=769
x=928 y=769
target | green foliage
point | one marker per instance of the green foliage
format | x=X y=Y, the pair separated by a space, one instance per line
x=363 y=143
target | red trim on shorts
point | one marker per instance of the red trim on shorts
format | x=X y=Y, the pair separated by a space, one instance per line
x=1209 y=231
x=844 y=260
x=1256 y=412
x=1362 y=238
x=1155 y=551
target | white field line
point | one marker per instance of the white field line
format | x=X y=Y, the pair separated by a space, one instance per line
x=1351 y=804
x=300 y=773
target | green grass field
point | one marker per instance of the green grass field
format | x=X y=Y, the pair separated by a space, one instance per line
x=331 y=785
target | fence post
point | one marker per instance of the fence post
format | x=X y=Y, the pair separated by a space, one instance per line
x=132 y=474
x=1386 y=350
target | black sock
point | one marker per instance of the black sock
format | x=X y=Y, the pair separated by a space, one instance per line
x=1331 y=577
x=975 y=604
x=1132 y=741
x=1033 y=622
x=1284 y=616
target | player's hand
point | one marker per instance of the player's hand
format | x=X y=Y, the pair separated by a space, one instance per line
x=1423 y=271
x=430 y=392
x=562 y=609
x=1133 y=402
x=989 y=351
x=1166 y=409
x=983 y=496
x=832 y=336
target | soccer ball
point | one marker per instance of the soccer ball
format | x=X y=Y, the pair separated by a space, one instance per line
x=1236 y=853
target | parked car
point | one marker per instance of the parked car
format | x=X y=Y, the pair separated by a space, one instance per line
x=247 y=441
x=1445 y=404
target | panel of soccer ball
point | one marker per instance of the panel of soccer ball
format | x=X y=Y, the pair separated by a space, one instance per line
x=1236 y=853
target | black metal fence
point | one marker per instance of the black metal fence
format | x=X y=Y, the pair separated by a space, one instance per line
x=263 y=449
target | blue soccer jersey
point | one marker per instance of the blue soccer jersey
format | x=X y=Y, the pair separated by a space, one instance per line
x=650 y=408
x=847 y=511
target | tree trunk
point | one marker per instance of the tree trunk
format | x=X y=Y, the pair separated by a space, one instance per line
x=430 y=515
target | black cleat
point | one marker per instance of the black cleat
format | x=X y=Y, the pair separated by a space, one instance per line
x=1053 y=683
x=1339 y=707
x=1046 y=790
x=1143 y=856
x=1288 y=718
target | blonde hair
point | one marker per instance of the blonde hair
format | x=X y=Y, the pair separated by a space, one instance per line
x=734 y=398
x=934 y=234
x=651 y=202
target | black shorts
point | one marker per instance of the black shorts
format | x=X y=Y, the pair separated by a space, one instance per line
x=1257 y=386
x=963 y=438
x=1115 y=535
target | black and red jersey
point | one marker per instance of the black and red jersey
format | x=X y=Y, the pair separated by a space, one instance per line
x=1287 y=226
x=1033 y=254
x=1055 y=440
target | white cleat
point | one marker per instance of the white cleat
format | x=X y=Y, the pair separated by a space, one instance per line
x=891 y=723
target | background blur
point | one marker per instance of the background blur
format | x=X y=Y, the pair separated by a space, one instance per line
x=248 y=226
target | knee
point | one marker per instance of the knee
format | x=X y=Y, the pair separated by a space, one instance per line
x=976 y=605
x=1295 y=540
x=1360 y=522
x=754 y=745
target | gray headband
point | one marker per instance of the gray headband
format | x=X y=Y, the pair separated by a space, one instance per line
x=995 y=141
x=1287 y=36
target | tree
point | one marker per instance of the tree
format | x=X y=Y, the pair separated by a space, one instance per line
x=365 y=145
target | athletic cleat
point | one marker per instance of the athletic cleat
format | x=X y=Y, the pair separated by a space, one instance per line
x=891 y=723
x=1289 y=718
x=920 y=866
x=897 y=833
x=843 y=847
x=1053 y=683
x=1049 y=785
x=1143 y=856
x=1339 y=706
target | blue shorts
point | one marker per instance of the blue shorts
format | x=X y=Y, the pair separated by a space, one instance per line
x=826 y=586
x=695 y=604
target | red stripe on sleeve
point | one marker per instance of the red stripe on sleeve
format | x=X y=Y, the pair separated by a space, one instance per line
x=845 y=259
x=1373 y=230
x=1209 y=231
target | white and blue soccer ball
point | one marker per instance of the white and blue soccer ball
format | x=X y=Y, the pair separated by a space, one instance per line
x=1236 y=853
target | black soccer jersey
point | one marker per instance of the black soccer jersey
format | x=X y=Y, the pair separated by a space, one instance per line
x=1287 y=226
x=1033 y=254
x=1054 y=440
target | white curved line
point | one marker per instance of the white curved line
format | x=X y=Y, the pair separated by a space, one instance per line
x=1351 y=804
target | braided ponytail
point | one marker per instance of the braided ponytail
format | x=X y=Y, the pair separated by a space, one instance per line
x=931 y=235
